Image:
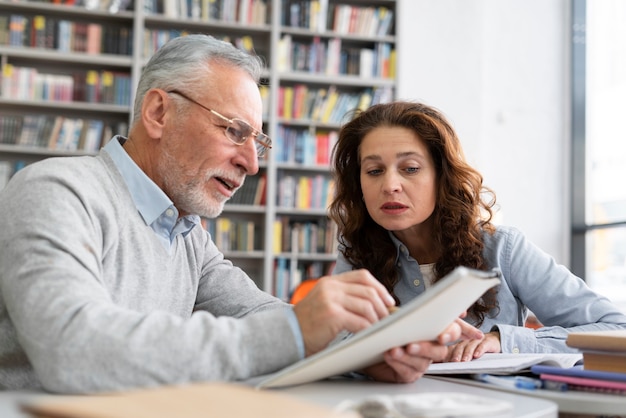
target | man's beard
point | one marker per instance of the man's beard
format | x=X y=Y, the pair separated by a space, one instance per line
x=191 y=196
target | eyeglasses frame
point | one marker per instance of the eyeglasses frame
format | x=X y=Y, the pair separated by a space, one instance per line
x=259 y=137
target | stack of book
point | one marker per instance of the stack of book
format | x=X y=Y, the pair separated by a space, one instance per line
x=604 y=363
x=602 y=350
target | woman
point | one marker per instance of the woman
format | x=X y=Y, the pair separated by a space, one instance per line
x=410 y=209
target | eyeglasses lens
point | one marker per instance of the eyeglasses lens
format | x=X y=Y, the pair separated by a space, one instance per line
x=239 y=132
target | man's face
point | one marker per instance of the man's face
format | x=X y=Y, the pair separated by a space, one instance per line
x=200 y=167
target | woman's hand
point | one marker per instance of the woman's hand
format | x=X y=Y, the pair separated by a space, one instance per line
x=407 y=364
x=467 y=350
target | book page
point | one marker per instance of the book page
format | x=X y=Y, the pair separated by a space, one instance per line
x=422 y=319
x=505 y=363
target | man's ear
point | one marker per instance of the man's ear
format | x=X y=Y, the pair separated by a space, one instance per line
x=153 y=112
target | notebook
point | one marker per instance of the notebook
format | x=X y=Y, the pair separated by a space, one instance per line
x=422 y=319
x=579 y=371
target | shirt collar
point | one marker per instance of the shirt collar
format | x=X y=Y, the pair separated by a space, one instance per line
x=399 y=246
x=149 y=199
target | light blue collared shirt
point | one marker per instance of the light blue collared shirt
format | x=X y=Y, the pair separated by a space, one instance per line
x=156 y=209
x=531 y=281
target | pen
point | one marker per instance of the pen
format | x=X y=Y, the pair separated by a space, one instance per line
x=512 y=382
x=556 y=386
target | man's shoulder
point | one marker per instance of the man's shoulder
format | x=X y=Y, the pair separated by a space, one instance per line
x=84 y=175
x=68 y=169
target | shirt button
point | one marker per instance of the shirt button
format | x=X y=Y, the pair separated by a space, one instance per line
x=416 y=282
x=169 y=212
x=516 y=350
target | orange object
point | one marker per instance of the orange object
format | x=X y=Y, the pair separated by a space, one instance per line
x=301 y=290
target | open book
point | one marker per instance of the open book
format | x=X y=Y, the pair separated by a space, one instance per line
x=422 y=319
x=505 y=363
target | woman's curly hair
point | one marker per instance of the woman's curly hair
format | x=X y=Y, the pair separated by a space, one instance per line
x=463 y=210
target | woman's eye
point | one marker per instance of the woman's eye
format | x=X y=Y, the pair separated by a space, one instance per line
x=412 y=170
x=374 y=172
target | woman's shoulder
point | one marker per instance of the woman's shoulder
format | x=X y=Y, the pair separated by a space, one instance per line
x=502 y=232
x=503 y=239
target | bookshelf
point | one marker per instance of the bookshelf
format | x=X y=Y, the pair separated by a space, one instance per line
x=323 y=58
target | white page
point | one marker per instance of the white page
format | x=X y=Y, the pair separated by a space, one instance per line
x=505 y=363
x=422 y=319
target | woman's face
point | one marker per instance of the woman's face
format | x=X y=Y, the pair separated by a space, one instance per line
x=398 y=178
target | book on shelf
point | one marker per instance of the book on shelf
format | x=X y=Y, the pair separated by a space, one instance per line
x=6 y=171
x=601 y=350
x=93 y=38
x=259 y=196
x=54 y=132
x=91 y=137
x=361 y=20
x=38 y=32
x=246 y=194
x=282 y=278
x=57 y=132
x=303 y=192
x=48 y=32
x=10 y=128
x=241 y=12
x=277 y=233
x=233 y=234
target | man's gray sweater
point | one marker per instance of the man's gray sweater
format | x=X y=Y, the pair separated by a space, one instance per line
x=90 y=300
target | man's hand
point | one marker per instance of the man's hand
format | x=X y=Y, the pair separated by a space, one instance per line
x=407 y=364
x=470 y=349
x=350 y=301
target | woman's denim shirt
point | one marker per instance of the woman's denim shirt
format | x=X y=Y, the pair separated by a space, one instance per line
x=531 y=280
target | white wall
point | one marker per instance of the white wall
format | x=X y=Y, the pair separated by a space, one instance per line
x=499 y=69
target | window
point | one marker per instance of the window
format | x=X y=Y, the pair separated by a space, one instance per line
x=599 y=146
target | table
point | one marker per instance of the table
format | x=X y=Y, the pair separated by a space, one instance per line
x=574 y=402
x=333 y=392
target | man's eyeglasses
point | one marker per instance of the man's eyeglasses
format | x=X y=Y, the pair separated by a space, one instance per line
x=237 y=130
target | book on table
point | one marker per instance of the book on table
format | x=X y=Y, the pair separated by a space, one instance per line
x=505 y=363
x=607 y=340
x=605 y=361
x=580 y=378
x=601 y=350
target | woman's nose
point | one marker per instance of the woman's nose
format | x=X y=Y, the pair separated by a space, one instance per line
x=391 y=184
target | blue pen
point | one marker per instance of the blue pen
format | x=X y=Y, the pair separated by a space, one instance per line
x=512 y=382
